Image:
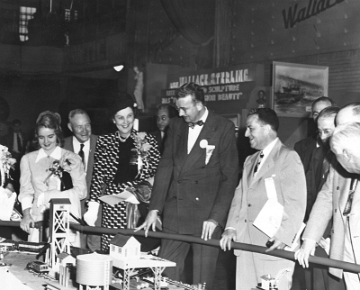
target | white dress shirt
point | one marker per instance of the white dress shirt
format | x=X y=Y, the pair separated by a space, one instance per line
x=266 y=151
x=86 y=149
x=195 y=132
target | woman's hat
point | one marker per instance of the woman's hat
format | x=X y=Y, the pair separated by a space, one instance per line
x=121 y=102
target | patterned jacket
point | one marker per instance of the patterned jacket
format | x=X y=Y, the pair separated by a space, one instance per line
x=106 y=164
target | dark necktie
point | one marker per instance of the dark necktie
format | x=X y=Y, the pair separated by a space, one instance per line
x=347 y=209
x=81 y=153
x=200 y=123
x=261 y=156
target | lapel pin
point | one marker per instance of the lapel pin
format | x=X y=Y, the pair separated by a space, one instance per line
x=203 y=143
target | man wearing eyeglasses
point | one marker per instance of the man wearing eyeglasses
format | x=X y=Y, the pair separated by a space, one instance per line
x=305 y=147
x=194 y=184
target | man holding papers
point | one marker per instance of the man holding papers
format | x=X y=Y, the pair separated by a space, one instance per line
x=269 y=203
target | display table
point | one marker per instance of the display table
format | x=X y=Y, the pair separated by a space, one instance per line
x=18 y=262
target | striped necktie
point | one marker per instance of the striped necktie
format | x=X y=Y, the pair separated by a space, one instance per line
x=348 y=204
x=81 y=153
x=261 y=156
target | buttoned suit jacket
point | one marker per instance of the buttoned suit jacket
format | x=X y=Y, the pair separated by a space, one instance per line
x=187 y=191
x=285 y=167
x=330 y=202
x=68 y=144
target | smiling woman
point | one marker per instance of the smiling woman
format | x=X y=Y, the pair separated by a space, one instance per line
x=40 y=183
x=123 y=160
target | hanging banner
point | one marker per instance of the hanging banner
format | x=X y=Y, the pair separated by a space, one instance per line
x=226 y=90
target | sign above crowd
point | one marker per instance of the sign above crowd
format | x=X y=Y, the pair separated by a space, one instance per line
x=226 y=90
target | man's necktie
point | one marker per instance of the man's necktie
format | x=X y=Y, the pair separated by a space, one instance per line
x=353 y=185
x=200 y=123
x=81 y=153
x=261 y=156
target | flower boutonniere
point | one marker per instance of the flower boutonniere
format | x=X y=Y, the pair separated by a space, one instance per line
x=7 y=162
x=142 y=146
x=209 y=149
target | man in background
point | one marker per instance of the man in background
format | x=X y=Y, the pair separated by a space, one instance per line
x=164 y=114
x=318 y=277
x=83 y=142
x=332 y=200
x=306 y=146
x=273 y=174
x=16 y=143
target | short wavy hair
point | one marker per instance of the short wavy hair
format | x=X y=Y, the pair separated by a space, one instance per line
x=49 y=120
x=192 y=89
x=266 y=116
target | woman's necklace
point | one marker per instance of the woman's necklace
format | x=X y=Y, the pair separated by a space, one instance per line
x=123 y=139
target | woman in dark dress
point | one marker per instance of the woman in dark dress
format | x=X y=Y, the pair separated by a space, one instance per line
x=123 y=160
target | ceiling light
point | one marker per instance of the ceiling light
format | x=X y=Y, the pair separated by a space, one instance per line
x=118 y=67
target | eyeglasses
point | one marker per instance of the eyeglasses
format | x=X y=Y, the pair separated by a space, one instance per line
x=184 y=109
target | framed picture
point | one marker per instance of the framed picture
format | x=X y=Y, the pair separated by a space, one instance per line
x=296 y=86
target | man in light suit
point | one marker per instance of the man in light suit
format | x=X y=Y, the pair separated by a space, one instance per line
x=281 y=167
x=80 y=125
x=332 y=199
x=194 y=184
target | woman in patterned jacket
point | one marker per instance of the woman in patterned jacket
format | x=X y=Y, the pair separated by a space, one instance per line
x=122 y=160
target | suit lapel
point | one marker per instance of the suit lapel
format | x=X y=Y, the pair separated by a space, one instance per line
x=91 y=151
x=269 y=162
x=180 y=144
x=249 y=167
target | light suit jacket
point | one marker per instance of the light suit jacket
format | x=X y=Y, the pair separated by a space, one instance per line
x=330 y=202
x=285 y=167
x=186 y=189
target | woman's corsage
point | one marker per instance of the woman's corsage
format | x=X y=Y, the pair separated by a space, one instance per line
x=141 y=144
x=58 y=168
x=7 y=162
x=7 y=196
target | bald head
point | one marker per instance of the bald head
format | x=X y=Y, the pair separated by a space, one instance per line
x=344 y=144
x=348 y=114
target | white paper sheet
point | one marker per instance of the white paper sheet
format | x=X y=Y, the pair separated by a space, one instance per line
x=114 y=199
x=269 y=218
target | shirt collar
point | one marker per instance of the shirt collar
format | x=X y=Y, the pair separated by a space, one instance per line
x=76 y=142
x=269 y=147
x=204 y=117
x=56 y=154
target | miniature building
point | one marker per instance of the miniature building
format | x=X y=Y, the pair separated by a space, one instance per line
x=123 y=247
x=59 y=229
x=65 y=262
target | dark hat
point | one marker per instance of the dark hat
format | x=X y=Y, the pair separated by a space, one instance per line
x=121 y=102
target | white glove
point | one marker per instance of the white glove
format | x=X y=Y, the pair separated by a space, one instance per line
x=91 y=215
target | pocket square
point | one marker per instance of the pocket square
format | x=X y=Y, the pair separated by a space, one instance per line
x=209 y=152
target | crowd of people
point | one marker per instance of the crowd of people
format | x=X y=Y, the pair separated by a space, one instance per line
x=190 y=167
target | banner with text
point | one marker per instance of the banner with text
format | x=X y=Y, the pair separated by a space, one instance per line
x=226 y=91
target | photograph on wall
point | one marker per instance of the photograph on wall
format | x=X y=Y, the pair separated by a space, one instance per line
x=296 y=86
